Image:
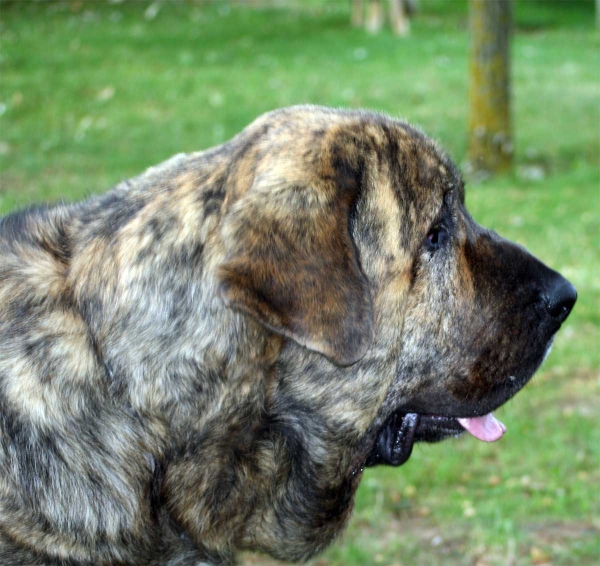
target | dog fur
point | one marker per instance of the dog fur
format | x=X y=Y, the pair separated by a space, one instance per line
x=201 y=360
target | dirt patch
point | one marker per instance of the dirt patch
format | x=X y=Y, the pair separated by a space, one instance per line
x=558 y=531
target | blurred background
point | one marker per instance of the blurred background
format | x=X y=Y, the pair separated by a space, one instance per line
x=93 y=92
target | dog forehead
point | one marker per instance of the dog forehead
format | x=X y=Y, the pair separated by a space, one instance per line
x=303 y=134
x=405 y=184
x=403 y=172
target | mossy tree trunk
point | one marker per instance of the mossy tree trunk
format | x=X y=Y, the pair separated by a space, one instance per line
x=490 y=135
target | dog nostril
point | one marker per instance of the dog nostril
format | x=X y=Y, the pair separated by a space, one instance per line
x=561 y=300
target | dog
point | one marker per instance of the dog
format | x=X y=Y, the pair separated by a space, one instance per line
x=204 y=359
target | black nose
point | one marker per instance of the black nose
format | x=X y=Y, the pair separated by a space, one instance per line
x=561 y=298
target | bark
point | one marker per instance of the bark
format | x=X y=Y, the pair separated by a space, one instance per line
x=357 y=13
x=375 y=16
x=399 y=17
x=490 y=135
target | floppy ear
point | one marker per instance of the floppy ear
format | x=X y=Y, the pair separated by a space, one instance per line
x=292 y=264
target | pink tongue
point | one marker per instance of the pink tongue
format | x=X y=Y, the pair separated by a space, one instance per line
x=487 y=428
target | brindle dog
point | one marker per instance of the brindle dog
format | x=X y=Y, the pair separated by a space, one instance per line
x=204 y=359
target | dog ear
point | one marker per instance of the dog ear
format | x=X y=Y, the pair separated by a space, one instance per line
x=291 y=262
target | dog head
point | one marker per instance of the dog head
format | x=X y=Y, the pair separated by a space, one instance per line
x=405 y=320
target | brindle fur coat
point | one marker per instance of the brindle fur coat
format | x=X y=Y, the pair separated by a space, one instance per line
x=203 y=359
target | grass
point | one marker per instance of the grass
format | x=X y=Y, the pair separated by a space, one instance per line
x=91 y=93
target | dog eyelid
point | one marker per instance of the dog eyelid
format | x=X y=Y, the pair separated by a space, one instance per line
x=449 y=196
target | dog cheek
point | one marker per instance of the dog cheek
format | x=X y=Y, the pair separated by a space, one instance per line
x=439 y=344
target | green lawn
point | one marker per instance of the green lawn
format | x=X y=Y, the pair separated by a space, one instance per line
x=94 y=92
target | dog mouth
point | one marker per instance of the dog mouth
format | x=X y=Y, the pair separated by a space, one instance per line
x=398 y=435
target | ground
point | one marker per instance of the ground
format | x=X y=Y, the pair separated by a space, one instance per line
x=94 y=92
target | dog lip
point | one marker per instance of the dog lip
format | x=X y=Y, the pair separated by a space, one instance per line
x=394 y=443
x=434 y=428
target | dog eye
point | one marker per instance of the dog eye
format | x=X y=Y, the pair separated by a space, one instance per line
x=436 y=237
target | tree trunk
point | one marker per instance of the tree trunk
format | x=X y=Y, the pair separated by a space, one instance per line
x=490 y=137
x=399 y=17
x=375 y=16
x=357 y=13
